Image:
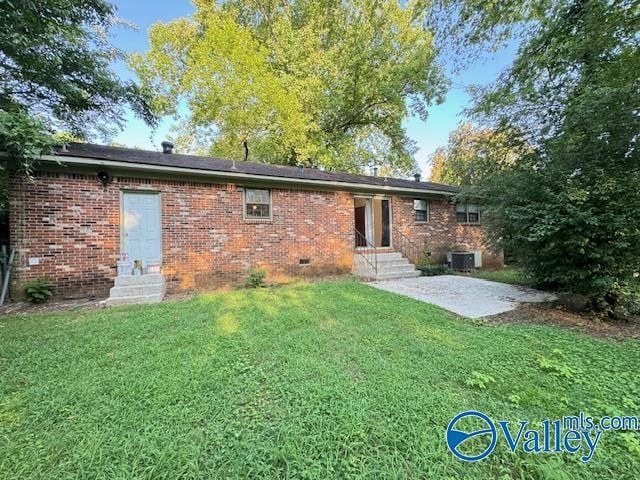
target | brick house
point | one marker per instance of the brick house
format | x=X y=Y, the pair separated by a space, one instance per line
x=209 y=220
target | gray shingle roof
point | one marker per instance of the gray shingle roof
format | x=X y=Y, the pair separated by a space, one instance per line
x=135 y=156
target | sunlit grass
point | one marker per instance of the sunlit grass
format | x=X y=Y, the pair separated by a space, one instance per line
x=505 y=275
x=330 y=380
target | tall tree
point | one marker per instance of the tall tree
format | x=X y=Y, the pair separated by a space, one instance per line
x=474 y=154
x=567 y=209
x=321 y=82
x=55 y=74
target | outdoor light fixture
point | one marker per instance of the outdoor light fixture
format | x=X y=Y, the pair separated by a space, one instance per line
x=105 y=178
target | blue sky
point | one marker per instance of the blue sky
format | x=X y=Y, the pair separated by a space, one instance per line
x=429 y=135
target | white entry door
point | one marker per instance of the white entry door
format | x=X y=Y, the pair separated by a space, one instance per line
x=142 y=232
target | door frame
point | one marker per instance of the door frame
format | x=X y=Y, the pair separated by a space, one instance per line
x=122 y=232
x=379 y=197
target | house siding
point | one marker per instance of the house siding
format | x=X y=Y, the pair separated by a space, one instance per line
x=71 y=223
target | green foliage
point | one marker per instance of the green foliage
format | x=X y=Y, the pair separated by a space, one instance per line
x=255 y=278
x=55 y=74
x=433 y=270
x=321 y=381
x=628 y=308
x=514 y=398
x=425 y=256
x=38 y=290
x=556 y=365
x=25 y=137
x=566 y=209
x=479 y=380
x=632 y=442
x=303 y=82
x=505 y=275
x=466 y=29
x=474 y=154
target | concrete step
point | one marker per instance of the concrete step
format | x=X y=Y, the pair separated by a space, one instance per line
x=137 y=290
x=390 y=266
x=382 y=257
x=147 y=279
x=384 y=263
x=399 y=269
x=394 y=263
x=157 y=298
x=381 y=265
x=395 y=276
x=390 y=256
x=130 y=289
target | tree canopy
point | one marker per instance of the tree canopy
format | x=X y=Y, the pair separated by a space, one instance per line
x=473 y=155
x=567 y=208
x=316 y=82
x=55 y=73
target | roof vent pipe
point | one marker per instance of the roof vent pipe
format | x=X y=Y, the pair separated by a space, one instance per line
x=167 y=147
x=375 y=171
x=416 y=177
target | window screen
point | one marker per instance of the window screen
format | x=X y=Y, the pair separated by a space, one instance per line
x=257 y=203
x=420 y=210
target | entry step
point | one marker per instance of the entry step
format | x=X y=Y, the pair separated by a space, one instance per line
x=131 y=289
x=390 y=266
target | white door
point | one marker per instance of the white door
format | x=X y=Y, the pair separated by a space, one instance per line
x=142 y=233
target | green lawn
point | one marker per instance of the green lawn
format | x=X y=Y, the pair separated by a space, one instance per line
x=504 y=275
x=329 y=380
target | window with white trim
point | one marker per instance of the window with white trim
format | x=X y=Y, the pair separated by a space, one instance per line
x=421 y=210
x=257 y=203
x=467 y=213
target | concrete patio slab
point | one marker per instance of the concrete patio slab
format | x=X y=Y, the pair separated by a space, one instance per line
x=470 y=297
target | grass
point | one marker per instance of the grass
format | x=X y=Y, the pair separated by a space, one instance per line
x=330 y=380
x=505 y=275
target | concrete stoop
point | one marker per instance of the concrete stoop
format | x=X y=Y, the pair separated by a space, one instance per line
x=149 y=288
x=391 y=266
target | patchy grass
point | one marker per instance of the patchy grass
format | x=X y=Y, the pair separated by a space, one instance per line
x=505 y=275
x=330 y=380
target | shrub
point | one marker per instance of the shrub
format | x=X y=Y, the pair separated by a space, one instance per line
x=39 y=290
x=255 y=278
x=426 y=255
x=628 y=306
x=433 y=270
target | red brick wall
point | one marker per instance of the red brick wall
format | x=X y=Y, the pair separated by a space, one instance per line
x=441 y=232
x=72 y=224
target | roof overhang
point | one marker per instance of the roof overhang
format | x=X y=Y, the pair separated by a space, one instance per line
x=235 y=176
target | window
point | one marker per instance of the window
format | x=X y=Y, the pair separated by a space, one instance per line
x=467 y=213
x=257 y=203
x=421 y=210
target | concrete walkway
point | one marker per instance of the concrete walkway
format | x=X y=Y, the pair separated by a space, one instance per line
x=470 y=297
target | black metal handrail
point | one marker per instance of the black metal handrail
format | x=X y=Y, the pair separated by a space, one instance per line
x=410 y=249
x=366 y=250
